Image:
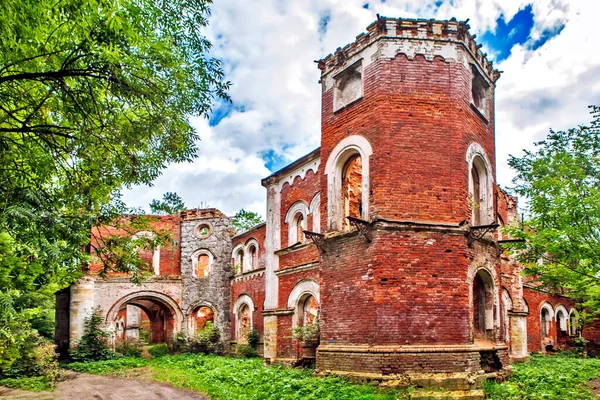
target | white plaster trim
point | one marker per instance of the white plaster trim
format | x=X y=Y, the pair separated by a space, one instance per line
x=305 y=286
x=194 y=258
x=548 y=307
x=243 y=299
x=346 y=148
x=290 y=219
x=314 y=209
x=506 y=299
x=473 y=152
x=301 y=171
x=563 y=323
x=247 y=259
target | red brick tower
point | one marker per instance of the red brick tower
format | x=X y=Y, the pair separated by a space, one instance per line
x=410 y=282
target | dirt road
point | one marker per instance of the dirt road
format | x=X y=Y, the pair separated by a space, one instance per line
x=102 y=387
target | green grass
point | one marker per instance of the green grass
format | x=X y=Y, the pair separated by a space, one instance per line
x=235 y=378
x=35 y=383
x=558 y=377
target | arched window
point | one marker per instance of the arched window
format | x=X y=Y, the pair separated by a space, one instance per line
x=352 y=190
x=240 y=260
x=299 y=226
x=546 y=316
x=201 y=316
x=506 y=307
x=573 y=321
x=347 y=173
x=309 y=310
x=483 y=304
x=562 y=319
x=202 y=262
x=314 y=209
x=243 y=309
x=296 y=219
x=253 y=254
x=480 y=186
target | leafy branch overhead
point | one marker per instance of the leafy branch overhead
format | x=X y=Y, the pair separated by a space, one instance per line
x=95 y=96
x=561 y=182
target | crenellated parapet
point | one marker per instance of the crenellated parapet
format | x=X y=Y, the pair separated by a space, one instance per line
x=388 y=37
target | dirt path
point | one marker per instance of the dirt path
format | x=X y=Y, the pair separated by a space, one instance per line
x=103 y=387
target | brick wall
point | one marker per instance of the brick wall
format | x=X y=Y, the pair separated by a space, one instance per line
x=301 y=189
x=409 y=105
x=403 y=288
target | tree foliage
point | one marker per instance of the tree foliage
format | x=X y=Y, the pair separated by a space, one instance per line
x=171 y=203
x=561 y=183
x=244 y=220
x=95 y=96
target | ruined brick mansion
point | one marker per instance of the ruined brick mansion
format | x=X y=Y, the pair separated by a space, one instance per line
x=387 y=233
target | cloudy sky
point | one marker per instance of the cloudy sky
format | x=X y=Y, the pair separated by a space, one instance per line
x=547 y=49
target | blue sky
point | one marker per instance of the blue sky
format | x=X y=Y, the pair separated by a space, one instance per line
x=546 y=48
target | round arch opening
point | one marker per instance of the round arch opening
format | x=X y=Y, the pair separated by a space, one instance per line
x=149 y=317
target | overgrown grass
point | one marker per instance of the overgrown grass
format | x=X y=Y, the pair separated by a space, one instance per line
x=557 y=377
x=35 y=383
x=234 y=378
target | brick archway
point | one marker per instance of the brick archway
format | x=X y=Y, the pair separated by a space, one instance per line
x=166 y=317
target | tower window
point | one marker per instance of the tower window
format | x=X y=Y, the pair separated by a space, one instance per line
x=348 y=86
x=479 y=92
x=352 y=189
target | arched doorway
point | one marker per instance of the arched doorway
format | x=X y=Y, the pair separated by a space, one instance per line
x=483 y=305
x=201 y=317
x=154 y=315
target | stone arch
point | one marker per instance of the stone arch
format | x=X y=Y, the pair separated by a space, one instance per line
x=242 y=301
x=303 y=289
x=195 y=263
x=299 y=208
x=561 y=318
x=480 y=181
x=160 y=308
x=315 y=209
x=344 y=151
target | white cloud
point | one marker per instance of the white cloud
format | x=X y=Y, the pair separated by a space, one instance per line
x=268 y=47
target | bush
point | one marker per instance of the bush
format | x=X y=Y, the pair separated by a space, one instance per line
x=159 y=350
x=129 y=347
x=37 y=358
x=204 y=341
x=246 y=351
x=252 y=337
x=92 y=346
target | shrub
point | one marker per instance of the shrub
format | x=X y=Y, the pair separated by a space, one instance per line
x=246 y=351
x=159 y=350
x=205 y=341
x=37 y=358
x=252 y=337
x=92 y=346
x=129 y=347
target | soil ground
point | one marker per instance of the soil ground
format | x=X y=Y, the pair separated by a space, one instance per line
x=103 y=387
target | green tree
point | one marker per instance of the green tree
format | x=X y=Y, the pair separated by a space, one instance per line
x=244 y=220
x=561 y=234
x=171 y=203
x=95 y=96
